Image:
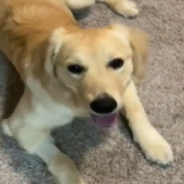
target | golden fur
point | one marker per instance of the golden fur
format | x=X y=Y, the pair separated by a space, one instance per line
x=41 y=38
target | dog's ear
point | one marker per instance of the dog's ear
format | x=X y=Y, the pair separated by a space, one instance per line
x=45 y=53
x=139 y=42
x=56 y=42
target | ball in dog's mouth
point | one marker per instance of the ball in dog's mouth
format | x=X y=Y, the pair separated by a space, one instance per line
x=105 y=121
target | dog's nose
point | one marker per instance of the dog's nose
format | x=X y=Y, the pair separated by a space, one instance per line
x=103 y=104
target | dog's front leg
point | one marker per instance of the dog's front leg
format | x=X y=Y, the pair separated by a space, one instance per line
x=152 y=143
x=28 y=127
x=124 y=7
x=40 y=143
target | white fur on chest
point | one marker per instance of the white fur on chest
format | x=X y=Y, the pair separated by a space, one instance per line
x=46 y=112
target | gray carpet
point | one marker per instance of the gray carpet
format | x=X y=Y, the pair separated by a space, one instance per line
x=105 y=159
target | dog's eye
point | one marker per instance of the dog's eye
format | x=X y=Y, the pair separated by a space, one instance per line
x=76 y=69
x=116 y=63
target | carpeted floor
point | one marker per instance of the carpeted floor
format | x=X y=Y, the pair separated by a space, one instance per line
x=107 y=159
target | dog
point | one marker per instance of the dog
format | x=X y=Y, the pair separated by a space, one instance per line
x=73 y=72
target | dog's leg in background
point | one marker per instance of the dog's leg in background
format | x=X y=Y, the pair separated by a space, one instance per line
x=79 y=4
x=152 y=143
x=124 y=7
x=27 y=126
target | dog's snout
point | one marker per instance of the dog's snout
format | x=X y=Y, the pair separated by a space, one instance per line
x=103 y=104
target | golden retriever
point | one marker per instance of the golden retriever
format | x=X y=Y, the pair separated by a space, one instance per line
x=70 y=72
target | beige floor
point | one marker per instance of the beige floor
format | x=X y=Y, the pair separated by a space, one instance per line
x=162 y=95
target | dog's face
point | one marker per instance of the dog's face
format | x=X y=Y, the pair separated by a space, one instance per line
x=96 y=66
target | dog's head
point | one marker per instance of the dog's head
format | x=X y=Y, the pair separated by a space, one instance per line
x=96 y=65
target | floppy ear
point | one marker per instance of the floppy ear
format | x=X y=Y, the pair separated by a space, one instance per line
x=139 y=42
x=56 y=41
x=44 y=54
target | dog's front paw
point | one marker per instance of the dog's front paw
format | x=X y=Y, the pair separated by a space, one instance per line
x=159 y=151
x=69 y=182
x=65 y=171
x=127 y=9
x=155 y=147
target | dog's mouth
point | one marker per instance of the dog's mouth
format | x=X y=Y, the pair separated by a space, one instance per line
x=105 y=121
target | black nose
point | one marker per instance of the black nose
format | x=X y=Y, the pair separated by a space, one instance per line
x=103 y=104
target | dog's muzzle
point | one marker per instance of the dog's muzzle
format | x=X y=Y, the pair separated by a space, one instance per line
x=104 y=107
